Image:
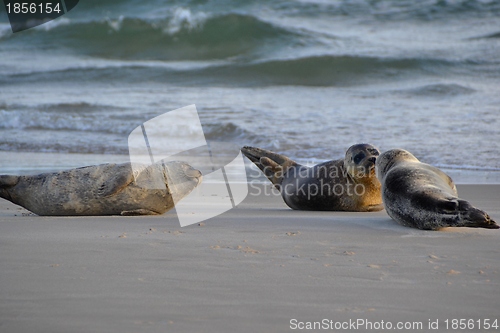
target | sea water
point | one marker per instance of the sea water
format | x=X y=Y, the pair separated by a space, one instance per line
x=306 y=78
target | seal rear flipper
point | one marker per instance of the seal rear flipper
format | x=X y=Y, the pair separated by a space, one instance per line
x=473 y=217
x=272 y=170
x=7 y=181
x=254 y=154
x=272 y=164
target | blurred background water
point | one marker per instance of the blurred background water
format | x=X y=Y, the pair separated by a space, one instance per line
x=307 y=78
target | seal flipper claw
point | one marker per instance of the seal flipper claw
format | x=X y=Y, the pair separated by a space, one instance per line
x=138 y=212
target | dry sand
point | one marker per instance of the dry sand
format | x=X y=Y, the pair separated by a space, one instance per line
x=252 y=269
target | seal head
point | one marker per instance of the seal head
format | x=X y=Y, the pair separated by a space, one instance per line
x=360 y=160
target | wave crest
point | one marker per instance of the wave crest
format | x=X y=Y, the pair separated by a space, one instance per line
x=326 y=70
x=182 y=36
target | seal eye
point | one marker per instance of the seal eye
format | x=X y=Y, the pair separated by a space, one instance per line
x=359 y=157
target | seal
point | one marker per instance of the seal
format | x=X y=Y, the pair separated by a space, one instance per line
x=107 y=189
x=348 y=184
x=421 y=196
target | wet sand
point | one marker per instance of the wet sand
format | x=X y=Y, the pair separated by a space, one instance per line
x=252 y=269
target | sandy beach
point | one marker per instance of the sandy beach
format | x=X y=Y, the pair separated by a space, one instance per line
x=258 y=268
x=302 y=78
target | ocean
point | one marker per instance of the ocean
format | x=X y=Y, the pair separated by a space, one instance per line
x=306 y=78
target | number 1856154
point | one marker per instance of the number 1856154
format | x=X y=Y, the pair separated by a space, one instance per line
x=471 y=324
x=33 y=8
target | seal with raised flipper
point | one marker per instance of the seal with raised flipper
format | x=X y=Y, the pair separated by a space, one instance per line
x=422 y=196
x=107 y=189
x=347 y=184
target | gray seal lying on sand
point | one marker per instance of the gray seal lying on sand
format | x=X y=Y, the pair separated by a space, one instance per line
x=419 y=195
x=348 y=184
x=107 y=189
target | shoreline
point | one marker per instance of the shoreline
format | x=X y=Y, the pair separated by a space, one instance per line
x=251 y=269
x=14 y=163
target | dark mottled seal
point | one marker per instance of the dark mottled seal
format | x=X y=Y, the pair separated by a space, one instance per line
x=348 y=184
x=107 y=189
x=419 y=195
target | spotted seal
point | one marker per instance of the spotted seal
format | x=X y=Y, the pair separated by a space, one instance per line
x=420 y=195
x=107 y=189
x=347 y=184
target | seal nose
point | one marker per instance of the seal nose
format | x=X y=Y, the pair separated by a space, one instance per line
x=372 y=159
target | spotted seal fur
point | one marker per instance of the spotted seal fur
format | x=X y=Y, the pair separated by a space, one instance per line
x=421 y=196
x=347 y=184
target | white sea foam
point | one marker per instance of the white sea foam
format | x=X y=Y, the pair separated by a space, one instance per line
x=183 y=18
x=48 y=26
x=72 y=121
x=5 y=31
x=116 y=25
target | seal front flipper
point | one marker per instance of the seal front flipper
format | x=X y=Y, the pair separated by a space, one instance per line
x=450 y=206
x=138 y=212
x=121 y=177
x=428 y=201
x=272 y=164
x=375 y=208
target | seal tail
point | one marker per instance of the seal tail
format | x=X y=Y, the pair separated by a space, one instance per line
x=6 y=182
x=273 y=165
x=475 y=218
